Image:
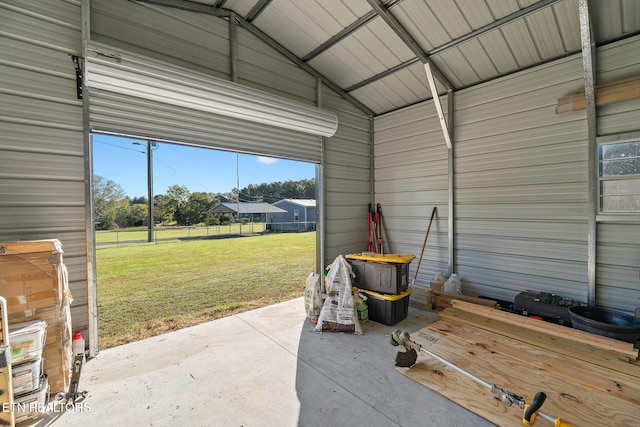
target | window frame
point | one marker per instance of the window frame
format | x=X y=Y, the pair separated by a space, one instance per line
x=601 y=215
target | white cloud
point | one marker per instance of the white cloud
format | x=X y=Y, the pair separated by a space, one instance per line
x=266 y=160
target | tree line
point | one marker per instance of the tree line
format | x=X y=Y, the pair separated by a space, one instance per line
x=178 y=206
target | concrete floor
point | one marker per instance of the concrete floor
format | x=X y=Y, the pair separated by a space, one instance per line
x=265 y=367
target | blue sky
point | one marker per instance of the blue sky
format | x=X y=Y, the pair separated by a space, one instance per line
x=124 y=161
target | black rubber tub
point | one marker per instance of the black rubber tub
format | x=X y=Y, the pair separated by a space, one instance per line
x=602 y=321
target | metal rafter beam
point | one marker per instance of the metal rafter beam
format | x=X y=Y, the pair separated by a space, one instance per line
x=256 y=10
x=382 y=75
x=347 y=31
x=457 y=42
x=224 y=13
x=494 y=25
x=191 y=7
x=335 y=39
x=300 y=63
x=430 y=68
x=404 y=35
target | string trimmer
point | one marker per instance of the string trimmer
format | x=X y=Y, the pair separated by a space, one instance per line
x=408 y=358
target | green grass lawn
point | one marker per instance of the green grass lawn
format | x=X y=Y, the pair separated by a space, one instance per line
x=149 y=289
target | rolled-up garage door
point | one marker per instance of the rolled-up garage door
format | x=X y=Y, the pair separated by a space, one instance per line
x=138 y=96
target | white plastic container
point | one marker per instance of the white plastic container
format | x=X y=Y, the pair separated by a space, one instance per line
x=77 y=345
x=27 y=341
x=26 y=376
x=437 y=283
x=31 y=405
x=453 y=285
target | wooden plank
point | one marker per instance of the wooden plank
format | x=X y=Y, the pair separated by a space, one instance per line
x=577 y=350
x=624 y=348
x=443 y=300
x=573 y=403
x=463 y=391
x=603 y=380
x=422 y=297
x=610 y=93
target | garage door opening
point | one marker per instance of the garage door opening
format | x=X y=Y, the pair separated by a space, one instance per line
x=225 y=232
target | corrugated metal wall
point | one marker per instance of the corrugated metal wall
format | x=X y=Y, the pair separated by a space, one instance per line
x=260 y=67
x=347 y=180
x=41 y=153
x=191 y=40
x=618 y=250
x=411 y=178
x=521 y=185
x=116 y=22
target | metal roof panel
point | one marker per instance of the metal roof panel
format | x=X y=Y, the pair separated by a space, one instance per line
x=422 y=23
x=246 y=208
x=407 y=86
x=307 y=203
x=545 y=32
x=470 y=41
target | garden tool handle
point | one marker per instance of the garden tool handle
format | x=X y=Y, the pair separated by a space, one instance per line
x=531 y=410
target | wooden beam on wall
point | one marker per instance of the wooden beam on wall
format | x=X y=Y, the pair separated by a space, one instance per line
x=606 y=94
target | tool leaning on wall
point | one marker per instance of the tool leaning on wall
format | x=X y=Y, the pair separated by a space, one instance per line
x=434 y=213
x=375 y=241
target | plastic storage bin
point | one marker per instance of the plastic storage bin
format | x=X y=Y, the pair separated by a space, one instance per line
x=379 y=273
x=31 y=405
x=388 y=309
x=27 y=341
x=26 y=377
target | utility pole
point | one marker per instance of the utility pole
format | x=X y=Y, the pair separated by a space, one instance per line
x=150 y=145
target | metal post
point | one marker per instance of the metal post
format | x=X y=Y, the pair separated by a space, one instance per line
x=320 y=196
x=451 y=187
x=233 y=48
x=87 y=143
x=150 y=189
x=588 y=64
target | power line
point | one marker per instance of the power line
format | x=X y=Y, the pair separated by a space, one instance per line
x=120 y=146
x=176 y=171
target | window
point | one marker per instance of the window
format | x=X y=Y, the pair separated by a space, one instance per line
x=296 y=214
x=619 y=173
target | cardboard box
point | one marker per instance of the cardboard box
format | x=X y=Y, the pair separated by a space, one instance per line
x=34 y=280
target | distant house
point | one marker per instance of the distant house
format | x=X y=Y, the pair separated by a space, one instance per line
x=300 y=215
x=246 y=209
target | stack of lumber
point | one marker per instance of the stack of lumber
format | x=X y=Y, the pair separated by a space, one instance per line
x=589 y=380
x=428 y=299
x=443 y=300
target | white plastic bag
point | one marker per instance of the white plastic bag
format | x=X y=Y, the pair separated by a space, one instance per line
x=312 y=298
x=339 y=312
